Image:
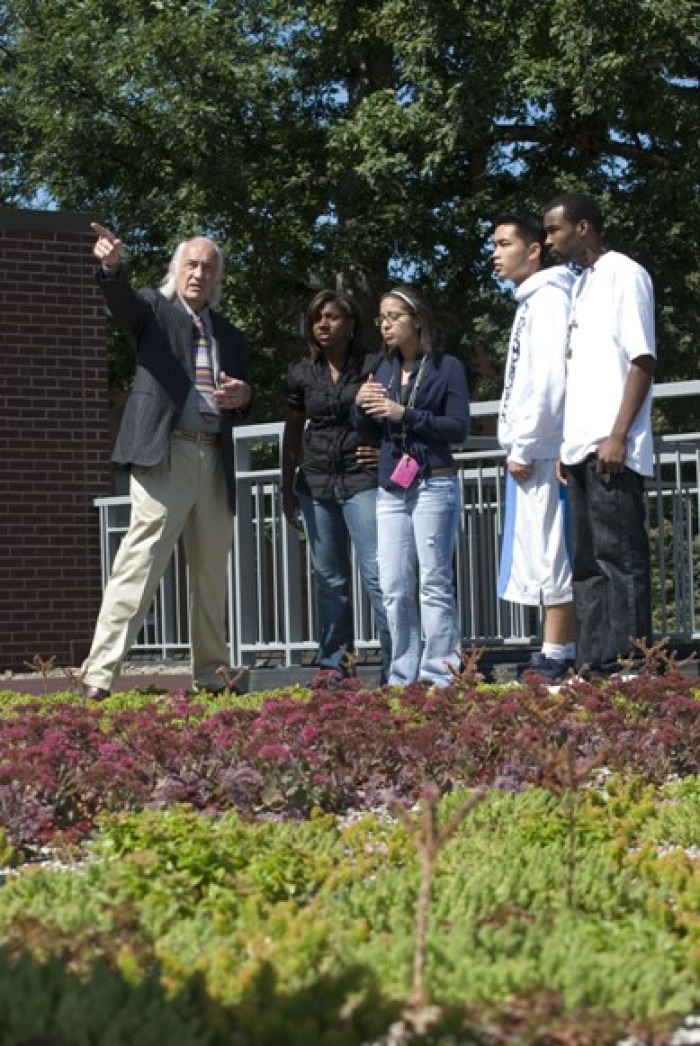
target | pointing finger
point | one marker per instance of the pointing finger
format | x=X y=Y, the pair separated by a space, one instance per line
x=100 y=230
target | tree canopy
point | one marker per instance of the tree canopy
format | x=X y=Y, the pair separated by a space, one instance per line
x=357 y=142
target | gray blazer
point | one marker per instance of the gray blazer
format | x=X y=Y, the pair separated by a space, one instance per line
x=162 y=333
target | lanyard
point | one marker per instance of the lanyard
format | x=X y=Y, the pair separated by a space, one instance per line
x=411 y=399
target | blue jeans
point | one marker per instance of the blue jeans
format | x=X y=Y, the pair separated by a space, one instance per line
x=611 y=563
x=328 y=525
x=417 y=532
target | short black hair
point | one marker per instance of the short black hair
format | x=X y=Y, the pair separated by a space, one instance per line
x=578 y=207
x=529 y=226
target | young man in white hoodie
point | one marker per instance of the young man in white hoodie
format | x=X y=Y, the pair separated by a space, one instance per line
x=535 y=561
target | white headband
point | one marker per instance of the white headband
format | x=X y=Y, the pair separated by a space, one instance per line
x=400 y=294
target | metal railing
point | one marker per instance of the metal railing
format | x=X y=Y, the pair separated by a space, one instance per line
x=271 y=604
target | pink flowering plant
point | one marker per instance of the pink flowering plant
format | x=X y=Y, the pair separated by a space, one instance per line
x=63 y=762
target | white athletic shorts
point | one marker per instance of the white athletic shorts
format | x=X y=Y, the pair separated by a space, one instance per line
x=536 y=552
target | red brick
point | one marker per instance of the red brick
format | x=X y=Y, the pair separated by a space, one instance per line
x=54 y=443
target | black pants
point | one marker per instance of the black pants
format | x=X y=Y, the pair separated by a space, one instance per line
x=611 y=568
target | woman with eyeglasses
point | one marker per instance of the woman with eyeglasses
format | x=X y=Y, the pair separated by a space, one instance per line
x=418 y=403
x=330 y=476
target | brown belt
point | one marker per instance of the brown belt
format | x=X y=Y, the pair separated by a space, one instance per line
x=448 y=470
x=207 y=438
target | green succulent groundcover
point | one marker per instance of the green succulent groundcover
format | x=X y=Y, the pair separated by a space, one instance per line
x=196 y=899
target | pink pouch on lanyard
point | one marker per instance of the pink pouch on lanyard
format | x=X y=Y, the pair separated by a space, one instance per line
x=405 y=472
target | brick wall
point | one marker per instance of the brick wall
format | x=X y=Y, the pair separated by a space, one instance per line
x=54 y=437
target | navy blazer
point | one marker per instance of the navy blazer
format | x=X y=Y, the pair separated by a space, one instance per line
x=438 y=418
x=162 y=333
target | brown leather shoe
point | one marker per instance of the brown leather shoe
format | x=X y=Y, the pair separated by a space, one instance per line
x=94 y=693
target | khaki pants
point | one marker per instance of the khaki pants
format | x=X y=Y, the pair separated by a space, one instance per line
x=185 y=495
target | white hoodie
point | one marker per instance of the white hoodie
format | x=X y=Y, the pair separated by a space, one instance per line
x=531 y=415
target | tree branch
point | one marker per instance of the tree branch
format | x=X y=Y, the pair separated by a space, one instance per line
x=533 y=135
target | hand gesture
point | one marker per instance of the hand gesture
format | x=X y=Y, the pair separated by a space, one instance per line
x=373 y=399
x=520 y=473
x=611 y=455
x=109 y=248
x=367 y=456
x=367 y=391
x=290 y=507
x=232 y=393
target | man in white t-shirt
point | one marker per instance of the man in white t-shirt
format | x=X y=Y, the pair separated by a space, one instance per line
x=535 y=565
x=607 y=448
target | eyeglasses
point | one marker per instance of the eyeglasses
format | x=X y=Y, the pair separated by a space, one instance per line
x=389 y=317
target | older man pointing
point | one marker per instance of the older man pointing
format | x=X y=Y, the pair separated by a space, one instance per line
x=190 y=388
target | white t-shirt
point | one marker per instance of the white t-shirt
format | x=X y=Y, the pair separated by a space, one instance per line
x=610 y=325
